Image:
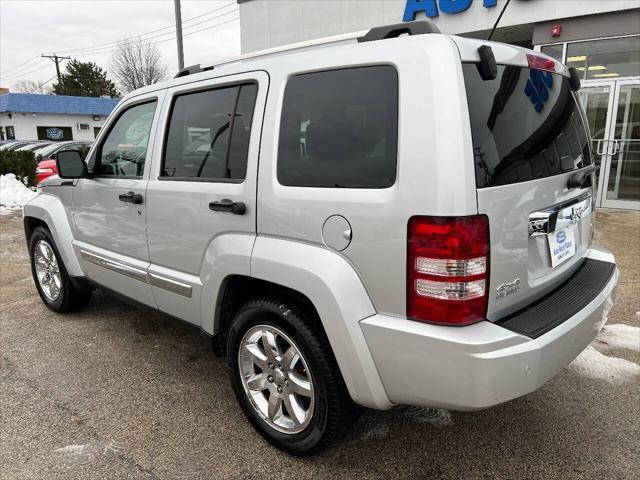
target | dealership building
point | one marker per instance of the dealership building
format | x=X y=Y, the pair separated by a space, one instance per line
x=30 y=116
x=600 y=38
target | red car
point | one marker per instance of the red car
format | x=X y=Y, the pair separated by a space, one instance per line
x=47 y=163
x=45 y=169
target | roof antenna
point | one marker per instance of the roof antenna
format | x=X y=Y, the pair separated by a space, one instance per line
x=493 y=30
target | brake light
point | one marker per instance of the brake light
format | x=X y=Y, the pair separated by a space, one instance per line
x=448 y=269
x=541 y=63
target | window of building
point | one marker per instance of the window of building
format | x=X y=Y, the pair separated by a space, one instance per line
x=605 y=59
x=554 y=51
x=11 y=134
x=209 y=134
x=124 y=151
x=339 y=129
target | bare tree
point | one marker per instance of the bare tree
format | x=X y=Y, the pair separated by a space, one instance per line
x=31 y=86
x=137 y=63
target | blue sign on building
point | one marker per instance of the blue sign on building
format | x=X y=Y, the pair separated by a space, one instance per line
x=430 y=7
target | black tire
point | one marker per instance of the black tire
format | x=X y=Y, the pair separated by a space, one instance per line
x=70 y=297
x=334 y=411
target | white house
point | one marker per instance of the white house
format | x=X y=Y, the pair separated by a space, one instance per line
x=29 y=116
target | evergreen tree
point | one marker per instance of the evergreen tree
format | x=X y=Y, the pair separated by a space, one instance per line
x=84 y=79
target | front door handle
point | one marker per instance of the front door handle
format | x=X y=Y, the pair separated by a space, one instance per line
x=130 y=197
x=229 y=206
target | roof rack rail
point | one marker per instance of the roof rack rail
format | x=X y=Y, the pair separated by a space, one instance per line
x=418 y=27
x=190 y=70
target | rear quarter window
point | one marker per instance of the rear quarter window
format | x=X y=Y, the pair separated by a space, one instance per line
x=339 y=129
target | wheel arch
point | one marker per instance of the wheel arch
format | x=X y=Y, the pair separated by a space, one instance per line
x=49 y=212
x=327 y=287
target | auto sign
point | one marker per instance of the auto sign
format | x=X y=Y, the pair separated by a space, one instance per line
x=55 y=133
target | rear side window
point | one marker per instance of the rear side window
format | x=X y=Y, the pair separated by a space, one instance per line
x=208 y=136
x=526 y=124
x=339 y=129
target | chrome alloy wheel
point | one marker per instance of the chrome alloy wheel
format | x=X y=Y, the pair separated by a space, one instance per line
x=276 y=379
x=47 y=270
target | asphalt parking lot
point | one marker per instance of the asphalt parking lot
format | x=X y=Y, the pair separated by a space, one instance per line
x=116 y=393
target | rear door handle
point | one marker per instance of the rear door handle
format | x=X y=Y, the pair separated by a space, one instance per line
x=130 y=197
x=229 y=206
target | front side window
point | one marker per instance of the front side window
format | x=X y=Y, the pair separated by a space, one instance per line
x=208 y=136
x=124 y=151
x=339 y=129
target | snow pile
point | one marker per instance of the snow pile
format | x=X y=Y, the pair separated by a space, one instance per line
x=13 y=193
x=619 y=336
x=618 y=371
x=594 y=364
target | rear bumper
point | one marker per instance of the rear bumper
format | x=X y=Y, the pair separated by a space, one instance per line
x=481 y=365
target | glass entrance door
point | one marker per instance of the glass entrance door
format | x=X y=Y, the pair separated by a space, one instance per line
x=623 y=175
x=613 y=113
x=597 y=101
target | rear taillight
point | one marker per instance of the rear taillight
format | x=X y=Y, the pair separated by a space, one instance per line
x=541 y=63
x=448 y=269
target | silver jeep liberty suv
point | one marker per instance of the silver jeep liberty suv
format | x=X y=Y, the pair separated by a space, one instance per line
x=370 y=220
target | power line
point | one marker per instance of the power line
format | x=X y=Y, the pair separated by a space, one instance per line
x=144 y=43
x=47 y=81
x=29 y=72
x=21 y=64
x=15 y=75
x=147 y=41
x=20 y=71
x=115 y=42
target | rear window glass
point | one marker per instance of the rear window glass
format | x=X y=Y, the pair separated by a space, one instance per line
x=526 y=124
x=339 y=129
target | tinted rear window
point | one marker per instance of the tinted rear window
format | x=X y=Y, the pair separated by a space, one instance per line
x=339 y=129
x=526 y=124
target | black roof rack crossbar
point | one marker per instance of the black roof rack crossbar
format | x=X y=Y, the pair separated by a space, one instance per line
x=418 y=27
x=190 y=70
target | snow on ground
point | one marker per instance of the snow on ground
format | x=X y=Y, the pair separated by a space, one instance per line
x=618 y=336
x=591 y=363
x=13 y=193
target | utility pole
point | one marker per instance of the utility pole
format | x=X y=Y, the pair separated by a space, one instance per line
x=57 y=59
x=176 y=3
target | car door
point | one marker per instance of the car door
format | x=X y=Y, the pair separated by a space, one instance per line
x=109 y=208
x=201 y=215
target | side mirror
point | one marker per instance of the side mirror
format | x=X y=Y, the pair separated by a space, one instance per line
x=70 y=164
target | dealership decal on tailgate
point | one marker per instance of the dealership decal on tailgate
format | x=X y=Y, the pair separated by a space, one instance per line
x=562 y=245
